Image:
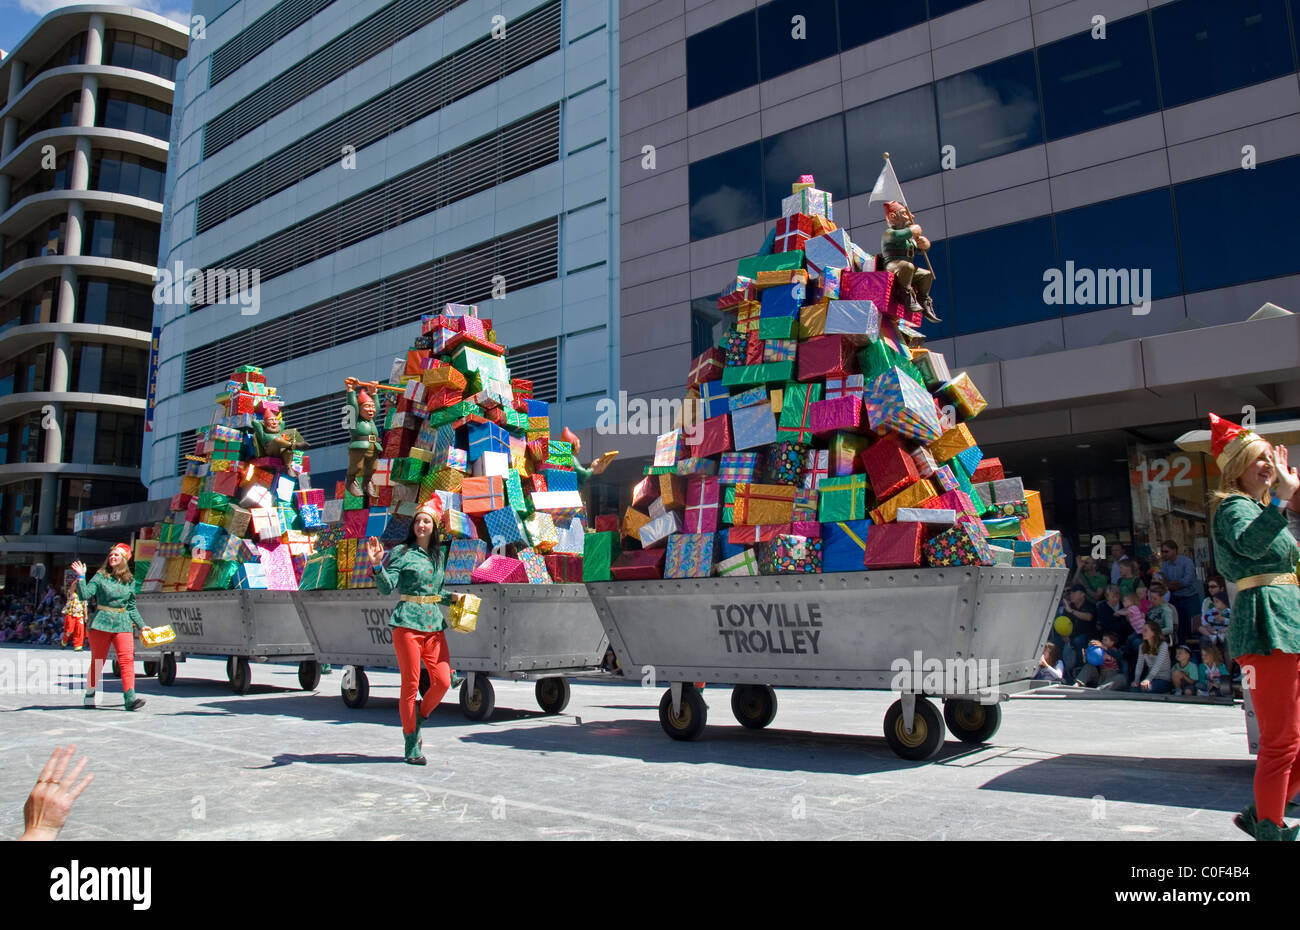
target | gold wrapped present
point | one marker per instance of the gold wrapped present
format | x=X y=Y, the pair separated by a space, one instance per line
x=812 y=319
x=463 y=615
x=447 y=479
x=911 y=496
x=763 y=504
x=747 y=314
x=158 y=635
x=778 y=278
x=633 y=520
x=213 y=517
x=192 y=485
x=1033 y=526
x=951 y=443
x=672 y=492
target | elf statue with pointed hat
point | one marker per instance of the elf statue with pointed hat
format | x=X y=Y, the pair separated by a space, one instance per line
x=364 y=447
x=1254 y=548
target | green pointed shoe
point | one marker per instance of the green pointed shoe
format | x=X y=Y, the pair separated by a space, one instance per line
x=1268 y=831
x=131 y=701
x=412 y=753
x=1246 y=821
x=88 y=702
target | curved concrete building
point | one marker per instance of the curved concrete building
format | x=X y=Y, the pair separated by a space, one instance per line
x=87 y=109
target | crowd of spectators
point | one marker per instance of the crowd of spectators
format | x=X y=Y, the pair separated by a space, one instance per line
x=1145 y=626
x=32 y=621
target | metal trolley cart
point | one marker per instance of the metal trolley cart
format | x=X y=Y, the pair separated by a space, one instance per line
x=968 y=635
x=240 y=625
x=542 y=633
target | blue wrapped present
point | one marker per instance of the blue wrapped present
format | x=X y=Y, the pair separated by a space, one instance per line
x=538 y=408
x=487 y=437
x=396 y=531
x=377 y=522
x=504 y=526
x=752 y=427
x=250 y=576
x=312 y=517
x=844 y=545
x=970 y=459
x=207 y=537
x=750 y=398
x=723 y=548
x=715 y=398
x=690 y=555
x=559 y=479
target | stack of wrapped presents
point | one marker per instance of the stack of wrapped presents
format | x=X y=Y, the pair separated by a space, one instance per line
x=246 y=513
x=826 y=439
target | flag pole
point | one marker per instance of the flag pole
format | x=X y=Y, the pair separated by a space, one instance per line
x=925 y=253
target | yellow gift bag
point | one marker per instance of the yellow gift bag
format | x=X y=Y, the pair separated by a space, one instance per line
x=464 y=613
x=158 y=635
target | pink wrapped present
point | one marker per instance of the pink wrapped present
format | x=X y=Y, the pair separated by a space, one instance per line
x=667 y=449
x=946 y=479
x=277 y=565
x=713 y=437
x=841 y=413
x=354 y=523
x=955 y=500
x=708 y=367
x=875 y=286
x=702 y=504
x=500 y=569
x=738 y=467
x=738 y=292
x=646 y=490
x=810 y=529
x=826 y=357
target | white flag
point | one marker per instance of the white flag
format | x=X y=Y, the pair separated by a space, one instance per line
x=887 y=187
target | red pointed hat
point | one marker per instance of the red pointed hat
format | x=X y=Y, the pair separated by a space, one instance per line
x=362 y=397
x=124 y=549
x=570 y=436
x=1227 y=439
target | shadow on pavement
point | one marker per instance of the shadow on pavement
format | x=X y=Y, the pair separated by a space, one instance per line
x=325 y=708
x=322 y=758
x=1199 y=784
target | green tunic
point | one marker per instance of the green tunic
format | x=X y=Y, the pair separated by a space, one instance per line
x=583 y=473
x=1251 y=539
x=411 y=570
x=365 y=434
x=109 y=592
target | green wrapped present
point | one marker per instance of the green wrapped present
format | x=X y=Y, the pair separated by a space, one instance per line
x=758 y=374
x=777 y=327
x=659 y=470
x=211 y=500
x=515 y=420
x=469 y=360
x=221 y=577
x=880 y=356
x=290 y=519
x=321 y=571
x=350 y=502
x=777 y=261
x=141 y=569
x=408 y=470
x=515 y=497
x=598 y=552
x=842 y=499
x=796 y=420
x=559 y=453
x=455 y=412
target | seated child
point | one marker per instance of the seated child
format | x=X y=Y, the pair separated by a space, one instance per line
x=1050 y=667
x=1161 y=611
x=1214 y=622
x=1214 y=678
x=1110 y=674
x=1185 y=675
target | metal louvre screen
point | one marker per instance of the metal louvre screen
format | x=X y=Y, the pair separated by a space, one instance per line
x=476 y=66
x=526 y=257
x=477 y=166
x=334 y=59
x=261 y=35
x=539 y=362
x=185 y=445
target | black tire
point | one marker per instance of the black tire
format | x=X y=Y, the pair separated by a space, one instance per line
x=552 y=694
x=167 y=671
x=150 y=669
x=230 y=668
x=309 y=674
x=754 y=706
x=690 y=721
x=926 y=737
x=971 y=721
x=360 y=693
x=243 y=679
x=424 y=680
x=480 y=704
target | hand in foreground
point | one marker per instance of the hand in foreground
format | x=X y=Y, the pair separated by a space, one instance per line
x=51 y=801
x=1287 y=479
x=79 y=568
x=375 y=549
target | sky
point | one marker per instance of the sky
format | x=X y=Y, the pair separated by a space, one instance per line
x=17 y=17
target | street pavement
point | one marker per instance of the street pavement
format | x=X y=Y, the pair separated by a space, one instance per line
x=200 y=763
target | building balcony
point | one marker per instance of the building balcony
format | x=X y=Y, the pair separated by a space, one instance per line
x=16 y=405
x=35 y=209
x=18 y=339
x=36 y=97
x=26 y=274
x=26 y=158
x=25 y=471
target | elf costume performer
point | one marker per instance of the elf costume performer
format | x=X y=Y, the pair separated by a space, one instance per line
x=364 y=448
x=114 y=622
x=584 y=472
x=415 y=571
x=271 y=438
x=1254 y=548
x=898 y=246
x=74 y=621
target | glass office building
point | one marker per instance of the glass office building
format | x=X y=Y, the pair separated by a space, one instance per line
x=88 y=99
x=1130 y=136
x=367 y=161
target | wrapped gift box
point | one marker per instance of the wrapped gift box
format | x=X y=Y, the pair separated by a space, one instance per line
x=1033 y=526
x=816 y=466
x=504 y=526
x=487 y=437
x=952 y=442
x=846 y=386
x=1046 y=551
x=932 y=366
x=858 y=321
x=748 y=318
x=560 y=479
x=535 y=566
x=752 y=427
x=697 y=466
x=1002 y=527
x=914 y=495
x=845 y=452
x=963 y=395
x=933 y=516
x=880 y=356
x=198 y=574
x=779 y=261
x=758 y=374
x=564 y=567
x=737 y=467
x=894 y=545
x=988 y=470
x=841 y=413
x=809 y=201
x=223 y=574
x=842 y=499
x=962 y=544
x=764 y=504
x=667 y=448
x=759 y=533
x=656 y=532
x=481 y=495
x=376 y=521
x=712 y=437
x=672 y=492
x=643 y=565
x=875 y=286
x=633 y=521
x=790 y=554
x=702 y=501
x=690 y=555
x=844 y=545
x=792 y=232
x=500 y=569
x=463 y=556
x=598 y=553
x=780 y=350
x=714 y=399
x=889 y=467
x=542 y=532
x=896 y=402
x=251 y=576
x=739 y=291
x=785 y=463
x=968 y=459
x=744 y=562
x=829 y=356
x=829 y=250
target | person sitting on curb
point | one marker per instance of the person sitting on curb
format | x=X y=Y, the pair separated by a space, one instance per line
x=1152 y=675
x=1186 y=674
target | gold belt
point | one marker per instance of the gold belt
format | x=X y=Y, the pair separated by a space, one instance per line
x=1259 y=581
x=122 y=610
x=422 y=598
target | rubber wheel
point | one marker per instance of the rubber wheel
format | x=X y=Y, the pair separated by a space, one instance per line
x=926 y=738
x=309 y=674
x=754 y=705
x=689 y=722
x=553 y=694
x=360 y=693
x=150 y=669
x=230 y=668
x=167 y=670
x=971 y=721
x=243 y=679
x=424 y=680
x=480 y=704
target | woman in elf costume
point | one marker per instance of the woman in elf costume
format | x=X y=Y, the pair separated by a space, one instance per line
x=74 y=620
x=415 y=571
x=1254 y=548
x=114 y=622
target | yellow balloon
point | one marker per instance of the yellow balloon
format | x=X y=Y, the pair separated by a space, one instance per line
x=1064 y=625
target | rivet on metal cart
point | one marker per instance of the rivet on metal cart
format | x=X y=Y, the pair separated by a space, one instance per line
x=969 y=636
x=242 y=625
x=543 y=633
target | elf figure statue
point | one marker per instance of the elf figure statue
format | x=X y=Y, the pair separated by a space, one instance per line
x=272 y=438
x=898 y=246
x=364 y=448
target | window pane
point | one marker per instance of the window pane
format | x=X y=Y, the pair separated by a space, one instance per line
x=726 y=191
x=940 y=291
x=1095 y=237
x=990 y=110
x=859 y=26
x=779 y=51
x=816 y=149
x=1214 y=212
x=1090 y=82
x=989 y=294
x=1207 y=47
x=90 y=368
x=707 y=324
x=902 y=125
x=722 y=60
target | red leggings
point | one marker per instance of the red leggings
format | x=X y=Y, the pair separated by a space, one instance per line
x=413 y=649
x=1276 y=697
x=124 y=645
x=74 y=630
